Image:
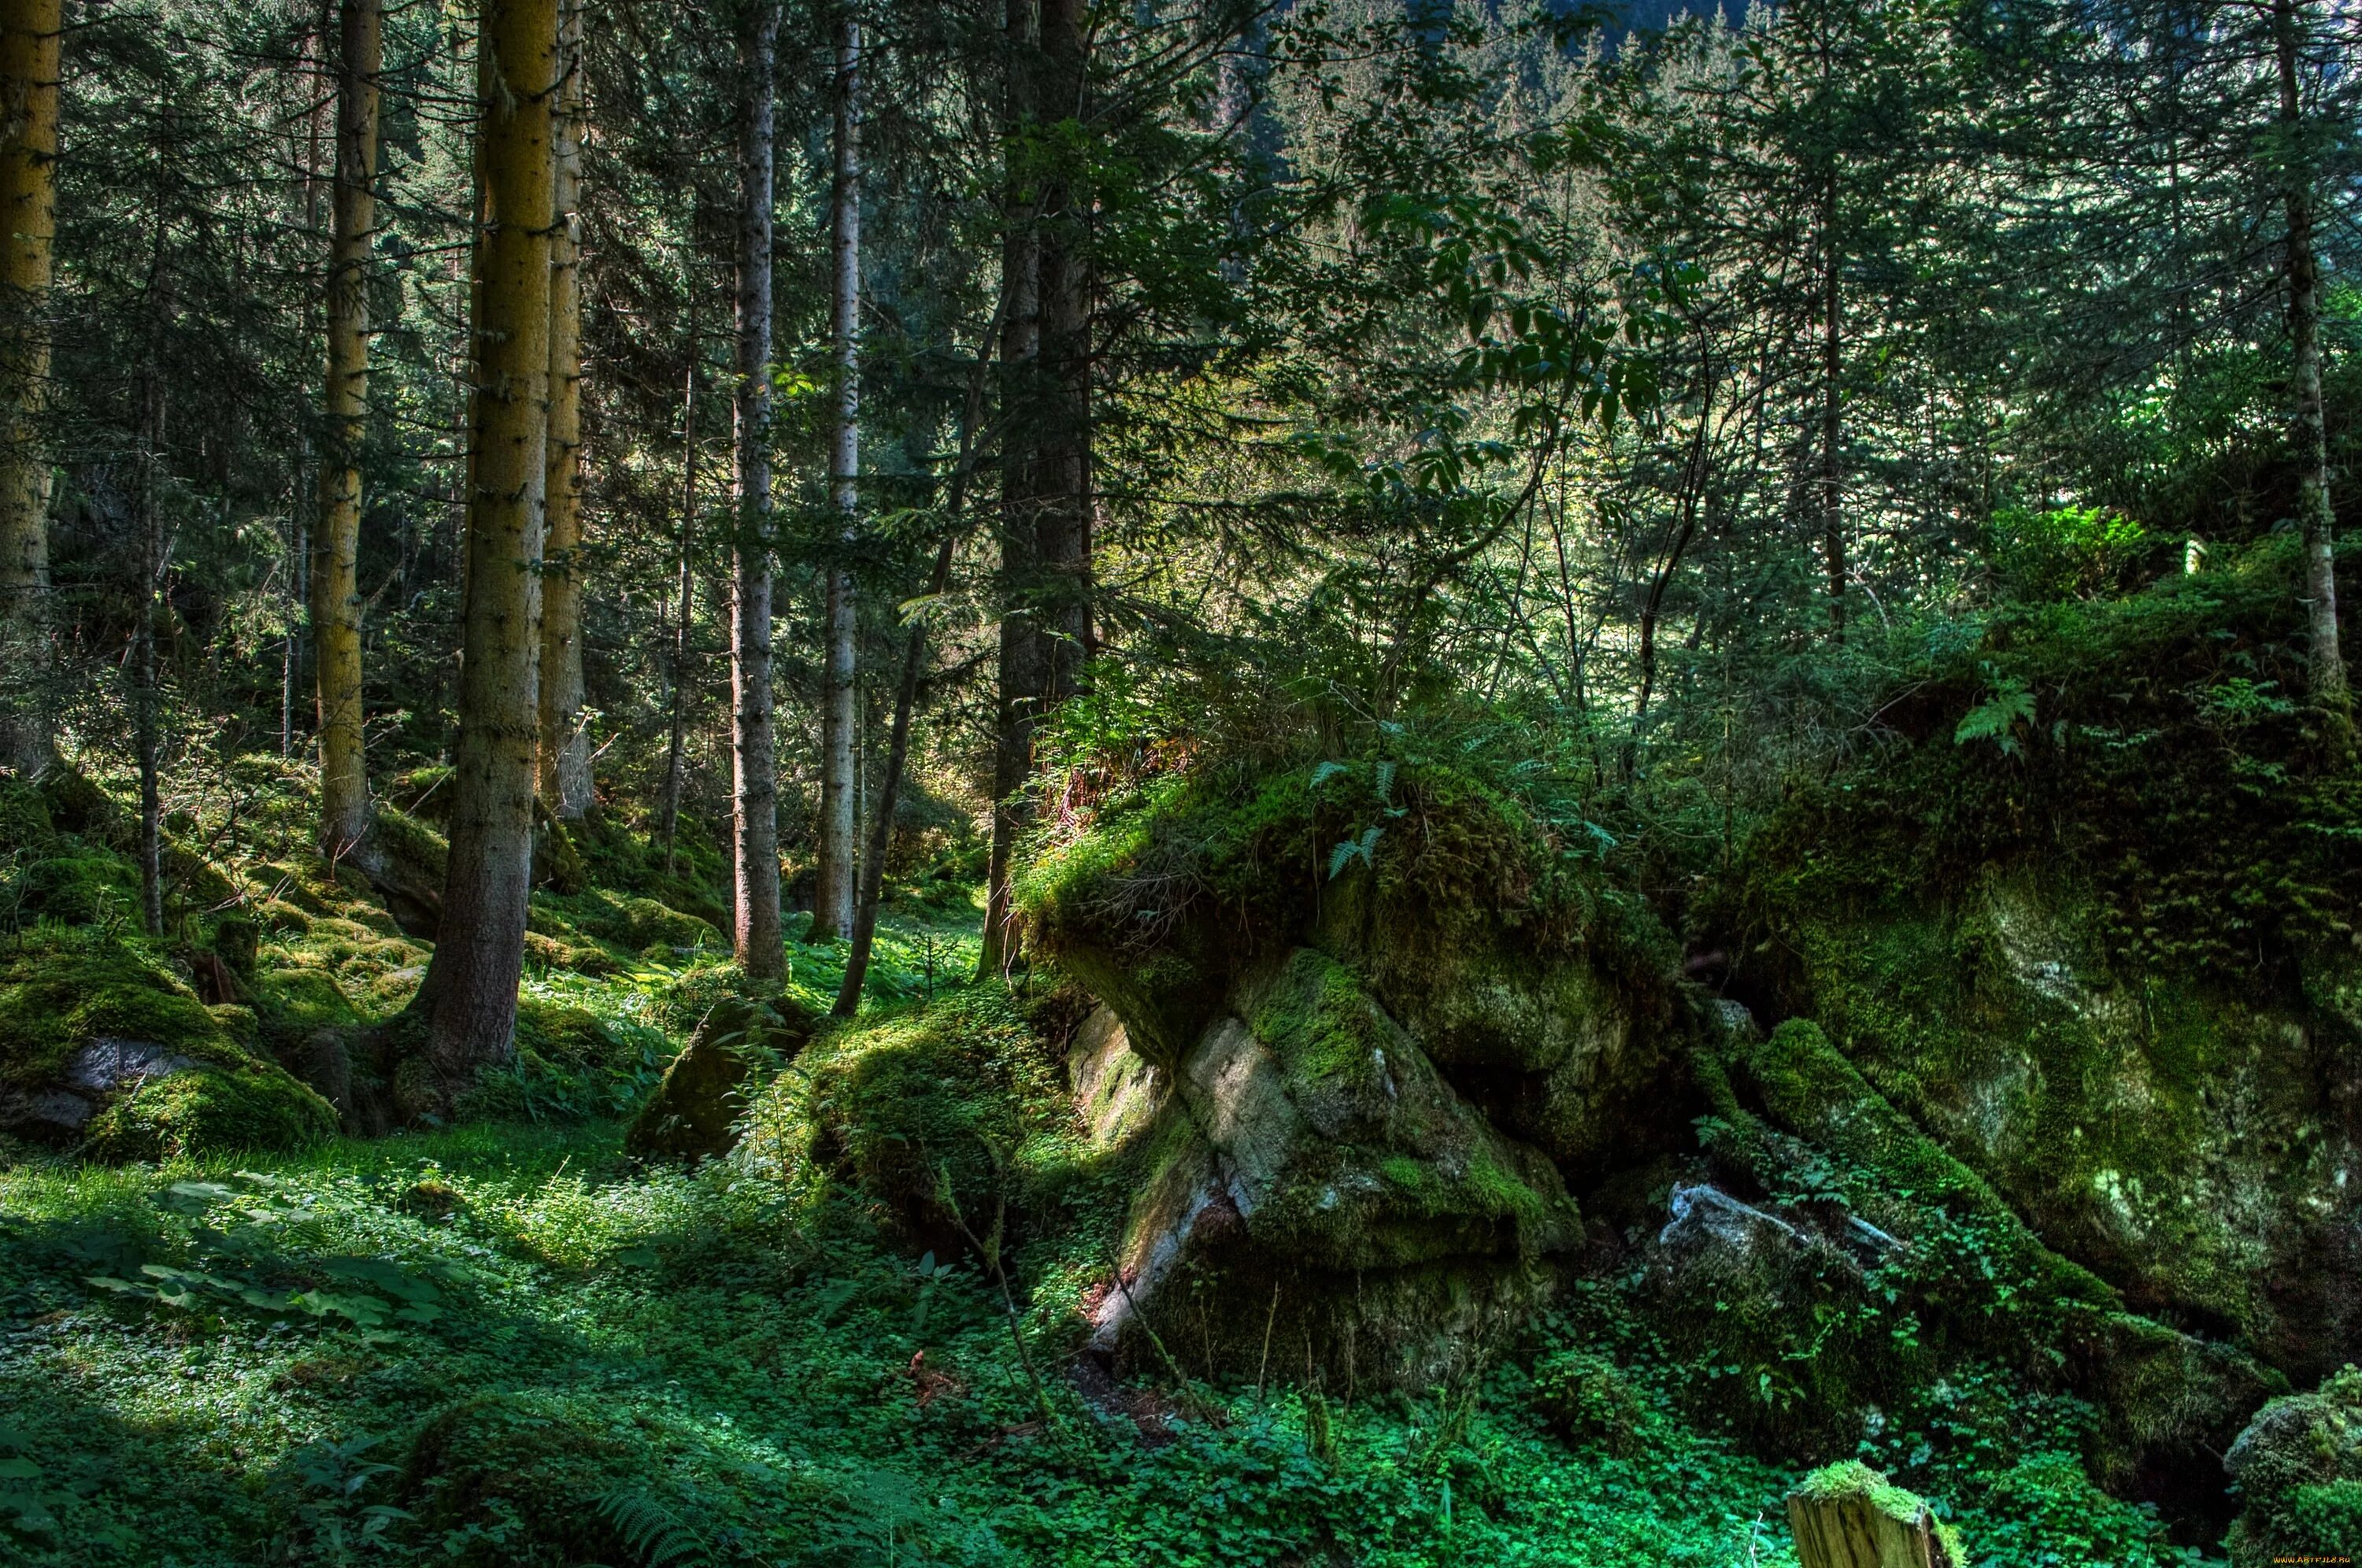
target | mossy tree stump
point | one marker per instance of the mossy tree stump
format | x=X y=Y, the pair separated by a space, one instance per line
x=1848 y=1516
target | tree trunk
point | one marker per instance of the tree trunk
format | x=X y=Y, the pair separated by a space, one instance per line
x=470 y=991
x=565 y=738
x=29 y=30
x=1063 y=478
x=668 y=813
x=335 y=546
x=753 y=750
x=2316 y=514
x=1848 y=1517
x=146 y=739
x=1020 y=342
x=1832 y=464
x=833 y=899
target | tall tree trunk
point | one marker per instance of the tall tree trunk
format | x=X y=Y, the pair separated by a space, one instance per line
x=833 y=900
x=29 y=30
x=676 y=755
x=1832 y=496
x=146 y=715
x=565 y=735
x=1021 y=343
x=335 y=545
x=469 y=994
x=1063 y=518
x=754 y=749
x=2316 y=514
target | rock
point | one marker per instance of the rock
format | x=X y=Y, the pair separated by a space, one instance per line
x=1891 y=1195
x=695 y=1113
x=1116 y=1094
x=1312 y=1154
x=2299 y=1468
x=98 y=1045
x=1848 y=1516
x=2194 y=1146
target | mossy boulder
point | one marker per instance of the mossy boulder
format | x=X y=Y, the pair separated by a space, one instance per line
x=695 y=1113
x=100 y=1046
x=2111 y=966
x=1873 y=1263
x=2299 y=1468
x=947 y=1121
x=1310 y=1152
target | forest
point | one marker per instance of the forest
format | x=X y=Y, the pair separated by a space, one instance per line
x=1299 y=783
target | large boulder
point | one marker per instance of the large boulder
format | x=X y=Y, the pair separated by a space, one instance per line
x=1310 y=1153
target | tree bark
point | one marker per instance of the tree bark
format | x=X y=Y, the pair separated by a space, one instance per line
x=30 y=31
x=335 y=545
x=2316 y=516
x=1062 y=480
x=566 y=788
x=676 y=757
x=833 y=900
x=1832 y=429
x=754 y=749
x=1020 y=342
x=469 y=994
x=147 y=717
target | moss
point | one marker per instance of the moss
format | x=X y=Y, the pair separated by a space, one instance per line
x=61 y=990
x=1852 y=1482
x=2299 y=1468
x=208 y=1110
x=696 y=1109
x=942 y=1118
x=411 y=841
x=24 y=818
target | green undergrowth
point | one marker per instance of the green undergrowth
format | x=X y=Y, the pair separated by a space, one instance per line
x=504 y=1344
x=2158 y=749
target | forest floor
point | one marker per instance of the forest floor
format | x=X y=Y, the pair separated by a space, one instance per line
x=514 y=1337
x=505 y=1341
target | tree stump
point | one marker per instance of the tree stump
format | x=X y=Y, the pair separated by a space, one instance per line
x=1848 y=1516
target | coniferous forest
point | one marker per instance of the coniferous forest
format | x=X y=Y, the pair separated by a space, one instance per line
x=1307 y=783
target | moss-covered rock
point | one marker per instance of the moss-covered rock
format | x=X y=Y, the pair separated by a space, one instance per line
x=2299 y=1467
x=696 y=1109
x=1311 y=1152
x=947 y=1120
x=1875 y=1261
x=99 y=1046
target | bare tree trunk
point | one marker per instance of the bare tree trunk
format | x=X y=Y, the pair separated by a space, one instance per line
x=1021 y=643
x=335 y=546
x=754 y=748
x=566 y=788
x=2316 y=514
x=668 y=821
x=833 y=899
x=30 y=31
x=470 y=991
